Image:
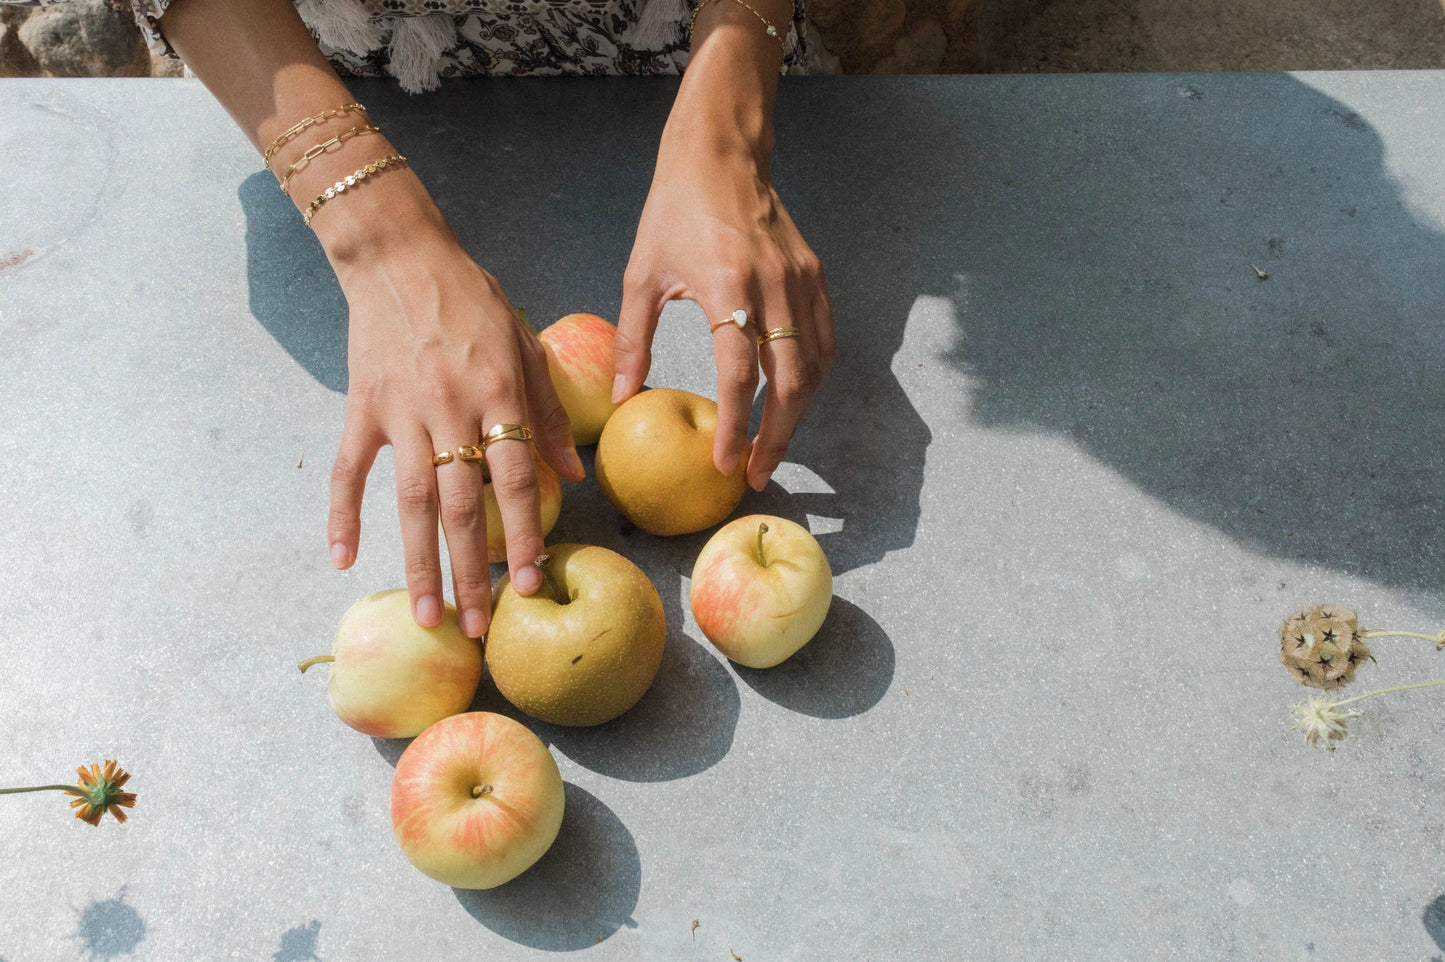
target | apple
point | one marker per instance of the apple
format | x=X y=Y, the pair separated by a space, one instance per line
x=476 y=799
x=585 y=647
x=761 y=588
x=392 y=678
x=579 y=359
x=654 y=463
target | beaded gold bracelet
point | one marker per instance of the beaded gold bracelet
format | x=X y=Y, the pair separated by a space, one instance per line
x=316 y=151
x=771 y=30
x=351 y=180
x=311 y=121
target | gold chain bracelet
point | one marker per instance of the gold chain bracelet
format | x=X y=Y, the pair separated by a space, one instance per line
x=316 y=151
x=351 y=180
x=311 y=121
x=771 y=30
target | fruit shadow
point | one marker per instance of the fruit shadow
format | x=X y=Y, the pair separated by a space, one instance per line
x=844 y=671
x=578 y=894
x=682 y=726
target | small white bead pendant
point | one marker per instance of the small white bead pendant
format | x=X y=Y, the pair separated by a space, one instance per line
x=740 y=317
x=772 y=30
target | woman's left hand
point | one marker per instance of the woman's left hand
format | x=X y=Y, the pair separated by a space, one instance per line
x=714 y=231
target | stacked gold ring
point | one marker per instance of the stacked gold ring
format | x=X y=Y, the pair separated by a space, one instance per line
x=777 y=334
x=470 y=452
x=440 y=458
x=505 y=432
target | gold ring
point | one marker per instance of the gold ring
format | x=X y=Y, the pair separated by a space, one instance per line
x=470 y=452
x=739 y=318
x=505 y=432
x=777 y=334
x=440 y=458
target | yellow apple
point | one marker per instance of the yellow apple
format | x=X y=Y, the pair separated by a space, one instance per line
x=654 y=463
x=390 y=677
x=761 y=588
x=586 y=646
x=579 y=359
x=476 y=799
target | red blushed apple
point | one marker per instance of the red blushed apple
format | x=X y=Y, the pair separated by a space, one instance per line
x=761 y=588
x=475 y=801
x=392 y=678
x=579 y=359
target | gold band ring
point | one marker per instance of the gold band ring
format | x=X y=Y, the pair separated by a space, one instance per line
x=777 y=334
x=739 y=319
x=469 y=452
x=505 y=432
x=440 y=458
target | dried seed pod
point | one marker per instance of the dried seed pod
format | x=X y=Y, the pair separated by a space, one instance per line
x=1321 y=647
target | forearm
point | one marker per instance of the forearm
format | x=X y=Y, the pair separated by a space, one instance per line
x=260 y=62
x=725 y=103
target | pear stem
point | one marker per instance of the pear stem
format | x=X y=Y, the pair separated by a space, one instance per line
x=762 y=530
x=315 y=661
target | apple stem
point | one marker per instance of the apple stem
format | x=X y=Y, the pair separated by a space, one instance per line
x=479 y=790
x=762 y=530
x=315 y=661
x=549 y=585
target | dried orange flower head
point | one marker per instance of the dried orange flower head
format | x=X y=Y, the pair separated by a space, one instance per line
x=1321 y=646
x=99 y=791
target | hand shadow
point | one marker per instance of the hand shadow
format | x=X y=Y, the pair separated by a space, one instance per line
x=1239 y=316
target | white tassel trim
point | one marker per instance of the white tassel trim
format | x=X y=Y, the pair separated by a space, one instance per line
x=417 y=45
x=660 y=24
x=342 y=24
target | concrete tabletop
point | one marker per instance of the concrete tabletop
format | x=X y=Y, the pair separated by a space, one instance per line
x=1130 y=368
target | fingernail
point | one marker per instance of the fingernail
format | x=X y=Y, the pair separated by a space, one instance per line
x=474 y=623
x=340 y=555
x=575 y=463
x=619 y=387
x=763 y=483
x=527 y=580
x=428 y=611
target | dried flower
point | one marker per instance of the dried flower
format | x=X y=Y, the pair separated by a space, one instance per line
x=98 y=792
x=1322 y=646
x=1321 y=720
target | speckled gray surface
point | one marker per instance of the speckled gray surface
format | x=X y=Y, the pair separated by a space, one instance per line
x=1075 y=463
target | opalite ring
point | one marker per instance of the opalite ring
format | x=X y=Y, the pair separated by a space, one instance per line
x=739 y=317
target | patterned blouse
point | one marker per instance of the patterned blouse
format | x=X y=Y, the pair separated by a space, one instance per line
x=419 y=41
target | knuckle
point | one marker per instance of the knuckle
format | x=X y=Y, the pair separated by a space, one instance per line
x=739 y=373
x=732 y=276
x=415 y=495
x=471 y=584
x=340 y=520
x=513 y=478
x=625 y=343
x=792 y=384
x=345 y=470
x=461 y=509
x=499 y=388
x=557 y=421
x=421 y=571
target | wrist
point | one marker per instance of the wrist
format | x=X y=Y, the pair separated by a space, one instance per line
x=387 y=214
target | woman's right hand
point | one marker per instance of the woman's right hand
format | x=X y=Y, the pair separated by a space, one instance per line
x=437 y=356
x=437 y=353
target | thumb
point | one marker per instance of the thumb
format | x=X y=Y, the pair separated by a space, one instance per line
x=632 y=348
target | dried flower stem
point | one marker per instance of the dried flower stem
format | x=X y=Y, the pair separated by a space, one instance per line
x=1386 y=691
x=1439 y=639
x=38 y=788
